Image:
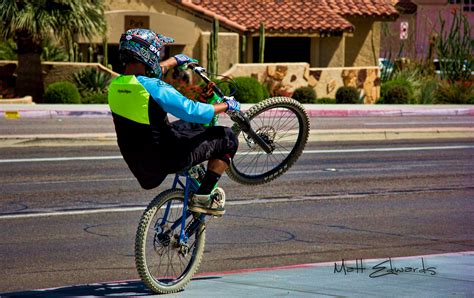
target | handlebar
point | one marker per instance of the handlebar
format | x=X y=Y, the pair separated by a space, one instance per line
x=237 y=116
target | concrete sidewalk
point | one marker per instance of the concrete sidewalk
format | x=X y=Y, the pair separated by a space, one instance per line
x=80 y=110
x=419 y=276
x=50 y=111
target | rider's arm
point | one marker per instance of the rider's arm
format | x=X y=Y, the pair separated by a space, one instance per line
x=178 y=105
x=167 y=64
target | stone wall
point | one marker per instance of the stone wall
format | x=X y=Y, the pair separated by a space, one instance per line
x=58 y=71
x=325 y=81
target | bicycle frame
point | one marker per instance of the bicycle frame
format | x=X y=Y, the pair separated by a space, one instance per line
x=188 y=185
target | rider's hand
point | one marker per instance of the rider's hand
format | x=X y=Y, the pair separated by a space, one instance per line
x=183 y=59
x=232 y=104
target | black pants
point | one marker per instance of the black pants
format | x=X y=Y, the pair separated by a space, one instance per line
x=199 y=144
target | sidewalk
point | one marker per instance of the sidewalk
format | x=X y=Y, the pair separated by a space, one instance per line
x=50 y=111
x=53 y=111
x=441 y=275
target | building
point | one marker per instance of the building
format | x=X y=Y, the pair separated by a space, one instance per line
x=411 y=35
x=323 y=33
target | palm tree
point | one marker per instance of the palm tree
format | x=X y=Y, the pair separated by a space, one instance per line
x=28 y=22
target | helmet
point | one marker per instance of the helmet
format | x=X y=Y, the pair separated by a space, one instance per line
x=143 y=45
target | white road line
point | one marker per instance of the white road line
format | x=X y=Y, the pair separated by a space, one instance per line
x=133 y=209
x=89 y=158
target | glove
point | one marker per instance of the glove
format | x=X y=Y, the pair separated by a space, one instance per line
x=232 y=104
x=183 y=59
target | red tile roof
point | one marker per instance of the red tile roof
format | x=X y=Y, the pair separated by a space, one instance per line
x=378 y=8
x=289 y=16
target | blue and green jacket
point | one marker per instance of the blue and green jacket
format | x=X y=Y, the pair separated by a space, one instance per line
x=139 y=108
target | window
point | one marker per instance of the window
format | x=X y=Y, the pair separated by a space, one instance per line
x=284 y=49
x=467 y=5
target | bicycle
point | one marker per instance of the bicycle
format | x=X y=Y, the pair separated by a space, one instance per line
x=169 y=251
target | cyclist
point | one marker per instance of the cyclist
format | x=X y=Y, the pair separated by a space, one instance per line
x=153 y=147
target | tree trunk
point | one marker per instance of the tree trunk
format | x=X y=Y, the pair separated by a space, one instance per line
x=29 y=72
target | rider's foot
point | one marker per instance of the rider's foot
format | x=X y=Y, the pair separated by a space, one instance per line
x=211 y=204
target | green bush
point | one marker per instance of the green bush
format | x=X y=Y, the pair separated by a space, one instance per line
x=347 y=95
x=427 y=91
x=397 y=94
x=457 y=93
x=62 y=92
x=249 y=90
x=398 y=82
x=266 y=93
x=95 y=98
x=305 y=95
x=91 y=80
x=325 y=100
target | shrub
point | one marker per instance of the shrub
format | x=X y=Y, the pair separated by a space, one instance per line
x=398 y=82
x=397 y=94
x=95 y=98
x=62 y=92
x=91 y=80
x=305 y=95
x=249 y=90
x=325 y=100
x=457 y=93
x=427 y=91
x=266 y=92
x=347 y=95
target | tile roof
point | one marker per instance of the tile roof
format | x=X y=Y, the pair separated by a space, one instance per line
x=289 y=16
x=373 y=8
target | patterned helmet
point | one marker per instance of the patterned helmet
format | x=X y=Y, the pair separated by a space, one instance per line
x=143 y=45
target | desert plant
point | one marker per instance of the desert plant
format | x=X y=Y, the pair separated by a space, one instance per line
x=397 y=94
x=427 y=91
x=399 y=82
x=305 y=94
x=212 y=60
x=454 y=48
x=249 y=90
x=51 y=51
x=347 y=95
x=62 y=92
x=95 y=98
x=91 y=80
x=28 y=22
x=455 y=93
x=325 y=100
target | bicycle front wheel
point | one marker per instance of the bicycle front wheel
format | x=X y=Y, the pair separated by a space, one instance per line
x=284 y=124
x=164 y=263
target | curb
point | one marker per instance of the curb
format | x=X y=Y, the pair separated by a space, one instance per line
x=329 y=135
x=87 y=111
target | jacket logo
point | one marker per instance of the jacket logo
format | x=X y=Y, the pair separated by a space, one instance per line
x=124 y=91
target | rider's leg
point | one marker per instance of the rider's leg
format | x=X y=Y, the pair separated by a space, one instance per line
x=215 y=169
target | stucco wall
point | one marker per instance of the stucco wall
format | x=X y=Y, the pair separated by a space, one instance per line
x=363 y=47
x=331 y=51
x=228 y=50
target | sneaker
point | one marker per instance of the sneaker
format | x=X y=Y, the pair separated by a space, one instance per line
x=211 y=204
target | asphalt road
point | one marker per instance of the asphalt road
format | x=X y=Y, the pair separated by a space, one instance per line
x=73 y=221
x=104 y=124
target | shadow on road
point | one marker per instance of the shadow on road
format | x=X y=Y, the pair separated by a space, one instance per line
x=131 y=288
x=123 y=288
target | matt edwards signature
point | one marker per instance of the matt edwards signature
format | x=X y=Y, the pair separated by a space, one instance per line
x=383 y=268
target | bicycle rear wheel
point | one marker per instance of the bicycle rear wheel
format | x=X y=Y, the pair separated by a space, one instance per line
x=164 y=264
x=283 y=123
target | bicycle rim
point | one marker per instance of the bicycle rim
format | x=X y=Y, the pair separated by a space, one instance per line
x=162 y=263
x=281 y=121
